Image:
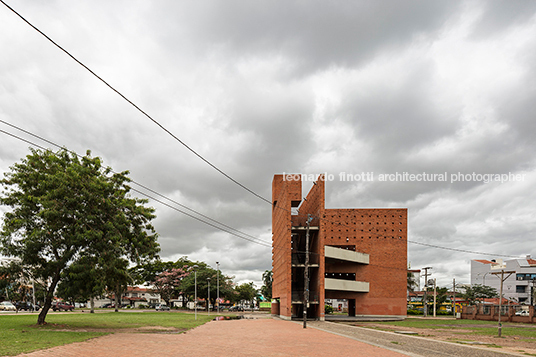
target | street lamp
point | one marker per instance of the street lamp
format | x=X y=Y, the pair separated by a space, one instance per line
x=208 y=300
x=218 y=286
x=195 y=289
x=484 y=277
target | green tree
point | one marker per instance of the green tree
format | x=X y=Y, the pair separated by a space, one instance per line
x=168 y=283
x=11 y=276
x=246 y=292
x=147 y=272
x=266 y=289
x=441 y=296
x=81 y=281
x=475 y=293
x=205 y=274
x=64 y=208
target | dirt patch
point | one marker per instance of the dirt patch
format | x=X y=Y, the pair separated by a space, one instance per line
x=463 y=335
x=143 y=329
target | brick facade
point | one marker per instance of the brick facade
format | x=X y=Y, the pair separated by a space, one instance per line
x=381 y=234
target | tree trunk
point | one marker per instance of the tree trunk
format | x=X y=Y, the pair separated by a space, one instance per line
x=48 y=299
x=92 y=304
x=117 y=297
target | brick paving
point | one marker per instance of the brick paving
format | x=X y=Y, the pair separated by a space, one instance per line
x=247 y=337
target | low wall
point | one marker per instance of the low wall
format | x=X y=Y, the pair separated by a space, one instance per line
x=491 y=313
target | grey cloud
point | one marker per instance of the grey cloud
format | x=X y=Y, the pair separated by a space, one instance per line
x=498 y=16
x=317 y=35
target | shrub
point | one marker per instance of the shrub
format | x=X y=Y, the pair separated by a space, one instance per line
x=328 y=309
x=443 y=313
x=415 y=312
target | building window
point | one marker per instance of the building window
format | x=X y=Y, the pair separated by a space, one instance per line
x=520 y=288
x=525 y=276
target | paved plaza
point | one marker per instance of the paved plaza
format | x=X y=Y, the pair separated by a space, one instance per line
x=246 y=337
x=266 y=337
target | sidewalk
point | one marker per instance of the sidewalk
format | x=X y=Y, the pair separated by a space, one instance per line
x=260 y=337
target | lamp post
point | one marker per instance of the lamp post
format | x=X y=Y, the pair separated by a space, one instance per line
x=208 y=299
x=484 y=278
x=195 y=290
x=218 y=286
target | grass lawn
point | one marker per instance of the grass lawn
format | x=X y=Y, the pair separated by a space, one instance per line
x=19 y=333
x=477 y=327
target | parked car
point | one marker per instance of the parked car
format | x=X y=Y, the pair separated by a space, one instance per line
x=108 y=306
x=61 y=306
x=162 y=307
x=236 y=308
x=26 y=306
x=7 y=306
x=522 y=313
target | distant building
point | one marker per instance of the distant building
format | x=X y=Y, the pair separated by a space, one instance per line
x=357 y=255
x=133 y=297
x=416 y=275
x=518 y=287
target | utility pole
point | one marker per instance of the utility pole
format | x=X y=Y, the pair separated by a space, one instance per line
x=306 y=287
x=218 y=286
x=501 y=294
x=195 y=287
x=208 y=300
x=435 y=295
x=454 y=297
x=425 y=302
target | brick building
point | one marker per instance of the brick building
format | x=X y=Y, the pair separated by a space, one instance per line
x=355 y=254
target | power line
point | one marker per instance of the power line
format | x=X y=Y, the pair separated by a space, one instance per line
x=134 y=182
x=137 y=107
x=203 y=221
x=463 y=250
x=18 y=137
x=229 y=228
x=226 y=228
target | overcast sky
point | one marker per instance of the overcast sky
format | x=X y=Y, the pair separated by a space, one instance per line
x=258 y=88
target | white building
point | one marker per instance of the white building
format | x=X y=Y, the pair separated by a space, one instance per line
x=416 y=273
x=518 y=287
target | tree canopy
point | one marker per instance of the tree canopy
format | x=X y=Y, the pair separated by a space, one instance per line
x=206 y=275
x=266 y=289
x=168 y=283
x=475 y=293
x=185 y=274
x=246 y=292
x=67 y=210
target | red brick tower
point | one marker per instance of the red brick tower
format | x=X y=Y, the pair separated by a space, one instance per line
x=355 y=254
